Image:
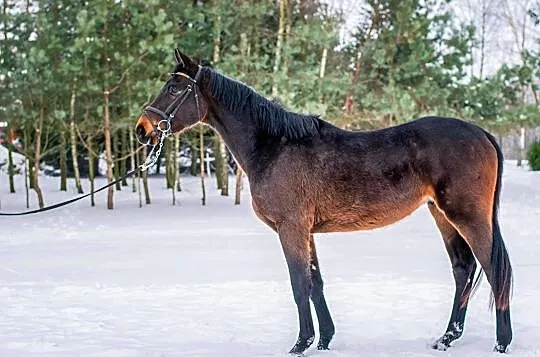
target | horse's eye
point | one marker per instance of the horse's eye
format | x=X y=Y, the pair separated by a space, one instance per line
x=173 y=89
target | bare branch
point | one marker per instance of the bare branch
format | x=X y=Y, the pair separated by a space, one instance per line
x=129 y=155
x=84 y=142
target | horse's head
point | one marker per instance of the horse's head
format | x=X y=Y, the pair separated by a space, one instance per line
x=178 y=105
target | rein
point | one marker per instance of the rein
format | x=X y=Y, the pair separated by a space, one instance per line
x=153 y=156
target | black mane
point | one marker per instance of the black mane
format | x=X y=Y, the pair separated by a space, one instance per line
x=269 y=116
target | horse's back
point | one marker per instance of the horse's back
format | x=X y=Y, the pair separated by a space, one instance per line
x=425 y=129
x=420 y=144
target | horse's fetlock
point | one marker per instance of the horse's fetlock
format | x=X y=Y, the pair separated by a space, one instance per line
x=328 y=332
x=455 y=330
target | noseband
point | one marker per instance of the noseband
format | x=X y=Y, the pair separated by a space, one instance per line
x=169 y=113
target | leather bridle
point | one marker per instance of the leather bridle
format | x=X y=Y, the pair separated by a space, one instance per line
x=168 y=115
x=171 y=110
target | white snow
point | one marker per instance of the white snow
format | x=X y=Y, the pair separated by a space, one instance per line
x=162 y=281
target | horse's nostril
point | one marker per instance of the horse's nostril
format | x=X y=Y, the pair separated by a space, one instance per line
x=144 y=130
x=141 y=132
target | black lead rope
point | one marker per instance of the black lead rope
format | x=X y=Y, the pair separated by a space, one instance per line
x=58 y=205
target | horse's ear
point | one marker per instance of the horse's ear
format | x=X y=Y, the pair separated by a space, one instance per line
x=184 y=60
x=186 y=64
x=178 y=57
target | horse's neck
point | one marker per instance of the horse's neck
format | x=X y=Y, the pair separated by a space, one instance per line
x=237 y=132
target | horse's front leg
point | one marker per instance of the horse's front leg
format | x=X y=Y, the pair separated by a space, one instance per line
x=326 y=326
x=294 y=239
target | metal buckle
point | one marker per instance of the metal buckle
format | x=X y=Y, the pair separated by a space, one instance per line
x=167 y=125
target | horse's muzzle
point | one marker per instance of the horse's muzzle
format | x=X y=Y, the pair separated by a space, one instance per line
x=144 y=130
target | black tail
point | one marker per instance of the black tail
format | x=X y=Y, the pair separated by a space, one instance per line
x=501 y=269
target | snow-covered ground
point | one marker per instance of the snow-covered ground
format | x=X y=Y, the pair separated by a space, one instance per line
x=162 y=281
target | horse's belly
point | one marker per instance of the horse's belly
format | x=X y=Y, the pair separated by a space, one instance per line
x=365 y=218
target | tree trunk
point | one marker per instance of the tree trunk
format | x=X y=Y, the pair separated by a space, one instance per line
x=137 y=160
x=286 y=37
x=73 y=137
x=222 y=176
x=520 y=42
x=521 y=152
x=91 y=156
x=194 y=155
x=238 y=190
x=106 y=113
x=244 y=51
x=11 y=169
x=177 y=170
x=29 y=150
x=168 y=163
x=483 y=38
x=123 y=153
x=75 y=158
x=63 y=161
x=37 y=152
x=108 y=149
x=217 y=42
x=201 y=158
x=26 y=188
x=218 y=157
x=27 y=172
x=283 y=4
x=324 y=58
x=116 y=158
x=145 y=179
x=91 y=168
x=348 y=106
x=224 y=167
x=132 y=159
x=174 y=168
x=322 y=71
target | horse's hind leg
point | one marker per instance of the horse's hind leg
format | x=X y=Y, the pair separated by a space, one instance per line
x=486 y=244
x=326 y=326
x=480 y=229
x=463 y=267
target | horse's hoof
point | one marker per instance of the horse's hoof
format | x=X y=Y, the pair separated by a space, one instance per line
x=323 y=344
x=322 y=347
x=500 y=348
x=441 y=344
x=301 y=345
x=450 y=336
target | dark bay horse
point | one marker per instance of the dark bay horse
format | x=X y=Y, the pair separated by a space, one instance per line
x=307 y=176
